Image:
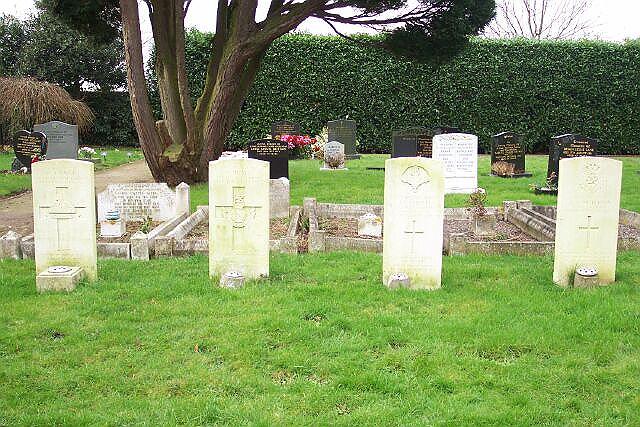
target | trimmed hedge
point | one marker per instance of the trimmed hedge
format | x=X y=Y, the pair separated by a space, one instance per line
x=113 y=125
x=537 y=88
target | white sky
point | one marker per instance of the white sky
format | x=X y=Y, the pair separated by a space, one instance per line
x=616 y=20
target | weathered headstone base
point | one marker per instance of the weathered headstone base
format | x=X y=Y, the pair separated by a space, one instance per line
x=279 y=198
x=59 y=282
x=10 y=245
x=325 y=168
x=232 y=280
x=115 y=228
x=399 y=280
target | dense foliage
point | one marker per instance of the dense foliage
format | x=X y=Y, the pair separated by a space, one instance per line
x=113 y=124
x=539 y=89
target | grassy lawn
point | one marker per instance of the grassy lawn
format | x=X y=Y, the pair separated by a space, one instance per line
x=359 y=185
x=15 y=183
x=320 y=342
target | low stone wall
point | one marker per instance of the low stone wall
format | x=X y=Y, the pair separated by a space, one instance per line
x=176 y=243
x=459 y=245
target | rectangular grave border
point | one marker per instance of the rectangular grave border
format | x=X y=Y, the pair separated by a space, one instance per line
x=121 y=250
x=175 y=243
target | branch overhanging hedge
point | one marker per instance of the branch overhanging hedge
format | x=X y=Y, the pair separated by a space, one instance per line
x=537 y=88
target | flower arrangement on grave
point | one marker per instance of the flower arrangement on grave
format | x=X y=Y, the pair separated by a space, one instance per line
x=317 y=149
x=299 y=145
x=549 y=187
x=86 y=153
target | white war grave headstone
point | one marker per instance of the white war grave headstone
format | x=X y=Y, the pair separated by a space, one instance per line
x=413 y=226
x=459 y=155
x=239 y=217
x=64 y=215
x=587 y=218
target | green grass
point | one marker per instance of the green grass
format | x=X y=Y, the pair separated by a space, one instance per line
x=10 y=184
x=321 y=342
x=359 y=185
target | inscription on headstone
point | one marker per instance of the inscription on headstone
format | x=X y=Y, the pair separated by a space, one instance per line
x=62 y=139
x=284 y=127
x=27 y=145
x=459 y=155
x=273 y=151
x=344 y=131
x=508 y=156
x=138 y=201
x=333 y=155
x=568 y=146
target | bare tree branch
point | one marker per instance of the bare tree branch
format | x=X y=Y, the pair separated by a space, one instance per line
x=541 y=19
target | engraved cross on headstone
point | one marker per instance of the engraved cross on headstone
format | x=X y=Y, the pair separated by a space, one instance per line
x=413 y=233
x=61 y=210
x=238 y=213
x=588 y=229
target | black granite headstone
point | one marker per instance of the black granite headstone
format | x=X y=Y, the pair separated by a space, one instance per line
x=344 y=131
x=567 y=146
x=273 y=151
x=27 y=145
x=440 y=130
x=508 y=156
x=284 y=127
x=404 y=143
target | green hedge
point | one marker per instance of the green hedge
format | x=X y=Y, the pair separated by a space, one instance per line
x=539 y=89
x=113 y=125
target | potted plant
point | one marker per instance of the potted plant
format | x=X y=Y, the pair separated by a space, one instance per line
x=484 y=224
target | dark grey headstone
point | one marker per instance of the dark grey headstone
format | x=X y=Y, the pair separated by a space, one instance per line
x=508 y=156
x=273 y=151
x=344 y=131
x=567 y=146
x=440 y=130
x=27 y=144
x=62 y=138
x=284 y=127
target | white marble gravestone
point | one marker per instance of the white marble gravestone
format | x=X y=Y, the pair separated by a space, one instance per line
x=587 y=218
x=64 y=215
x=413 y=226
x=459 y=155
x=137 y=201
x=239 y=217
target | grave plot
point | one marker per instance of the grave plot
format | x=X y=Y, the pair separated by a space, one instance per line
x=540 y=221
x=191 y=236
x=334 y=227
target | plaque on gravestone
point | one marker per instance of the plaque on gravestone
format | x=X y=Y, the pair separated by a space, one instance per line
x=27 y=145
x=404 y=143
x=425 y=144
x=508 y=156
x=344 y=131
x=333 y=156
x=284 y=127
x=567 y=146
x=273 y=151
x=62 y=139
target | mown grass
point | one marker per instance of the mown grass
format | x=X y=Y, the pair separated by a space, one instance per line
x=359 y=185
x=320 y=342
x=10 y=183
